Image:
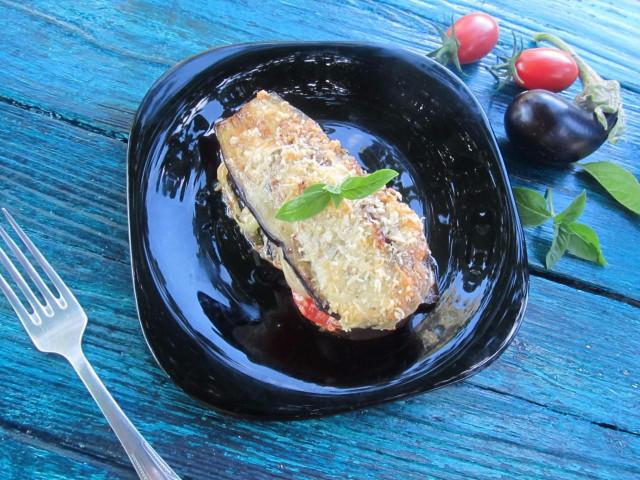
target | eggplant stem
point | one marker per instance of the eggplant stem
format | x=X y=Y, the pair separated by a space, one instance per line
x=588 y=76
x=598 y=95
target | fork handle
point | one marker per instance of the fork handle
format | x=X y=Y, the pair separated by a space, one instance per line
x=148 y=464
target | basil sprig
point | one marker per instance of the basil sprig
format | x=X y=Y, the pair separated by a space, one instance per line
x=568 y=235
x=316 y=197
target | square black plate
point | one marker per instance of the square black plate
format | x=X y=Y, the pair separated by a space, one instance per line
x=221 y=322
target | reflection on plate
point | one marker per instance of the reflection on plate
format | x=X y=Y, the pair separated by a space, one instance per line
x=221 y=322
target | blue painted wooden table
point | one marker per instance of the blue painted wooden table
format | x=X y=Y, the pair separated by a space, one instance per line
x=562 y=402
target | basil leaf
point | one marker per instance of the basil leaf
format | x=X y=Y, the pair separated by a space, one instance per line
x=584 y=243
x=561 y=235
x=316 y=197
x=618 y=181
x=335 y=189
x=532 y=207
x=573 y=211
x=360 y=187
x=313 y=200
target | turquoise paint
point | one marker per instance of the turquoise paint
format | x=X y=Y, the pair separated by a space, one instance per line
x=130 y=46
x=562 y=401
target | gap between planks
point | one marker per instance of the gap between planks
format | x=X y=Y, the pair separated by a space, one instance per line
x=43 y=440
x=123 y=137
x=582 y=286
x=607 y=426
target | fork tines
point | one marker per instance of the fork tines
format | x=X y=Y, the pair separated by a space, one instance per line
x=37 y=307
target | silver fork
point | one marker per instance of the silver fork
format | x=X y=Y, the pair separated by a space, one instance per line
x=57 y=326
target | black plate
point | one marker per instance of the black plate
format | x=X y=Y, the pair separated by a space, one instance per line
x=222 y=323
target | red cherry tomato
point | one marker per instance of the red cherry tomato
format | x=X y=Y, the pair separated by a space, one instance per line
x=477 y=34
x=308 y=308
x=546 y=68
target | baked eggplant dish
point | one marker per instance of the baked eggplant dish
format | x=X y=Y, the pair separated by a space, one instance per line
x=360 y=263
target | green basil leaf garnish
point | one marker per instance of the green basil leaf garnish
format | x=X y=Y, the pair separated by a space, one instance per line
x=313 y=200
x=561 y=235
x=361 y=187
x=618 y=181
x=568 y=236
x=584 y=244
x=573 y=211
x=532 y=207
x=316 y=197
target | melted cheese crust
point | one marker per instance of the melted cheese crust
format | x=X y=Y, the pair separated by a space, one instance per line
x=367 y=259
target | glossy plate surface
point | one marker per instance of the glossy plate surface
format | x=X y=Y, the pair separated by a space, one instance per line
x=222 y=323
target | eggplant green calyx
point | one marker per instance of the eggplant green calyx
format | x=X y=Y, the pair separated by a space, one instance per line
x=448 y=52
x=598 y=95
x=507 y=70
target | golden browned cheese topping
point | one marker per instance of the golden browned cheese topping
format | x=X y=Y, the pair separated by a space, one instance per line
x=367 y=259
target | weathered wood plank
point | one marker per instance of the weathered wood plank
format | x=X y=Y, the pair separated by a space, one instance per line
x=24 y=456
x=39 y=143
x=107 y=55
x=458 y=432
x=577 y=354
x=49 y=167
x=129 y=46
x=536 y=413
x=558 y=404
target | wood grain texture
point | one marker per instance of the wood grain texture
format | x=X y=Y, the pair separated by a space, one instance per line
x=561 y=402
x=25 y=456
x=107 y=55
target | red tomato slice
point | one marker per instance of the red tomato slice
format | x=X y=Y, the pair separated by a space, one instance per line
x=308 y=308
x=477 y=34
x=546 y=68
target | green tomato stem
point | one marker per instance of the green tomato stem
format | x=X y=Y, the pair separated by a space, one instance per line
x=508 y=70
x=448 y=52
